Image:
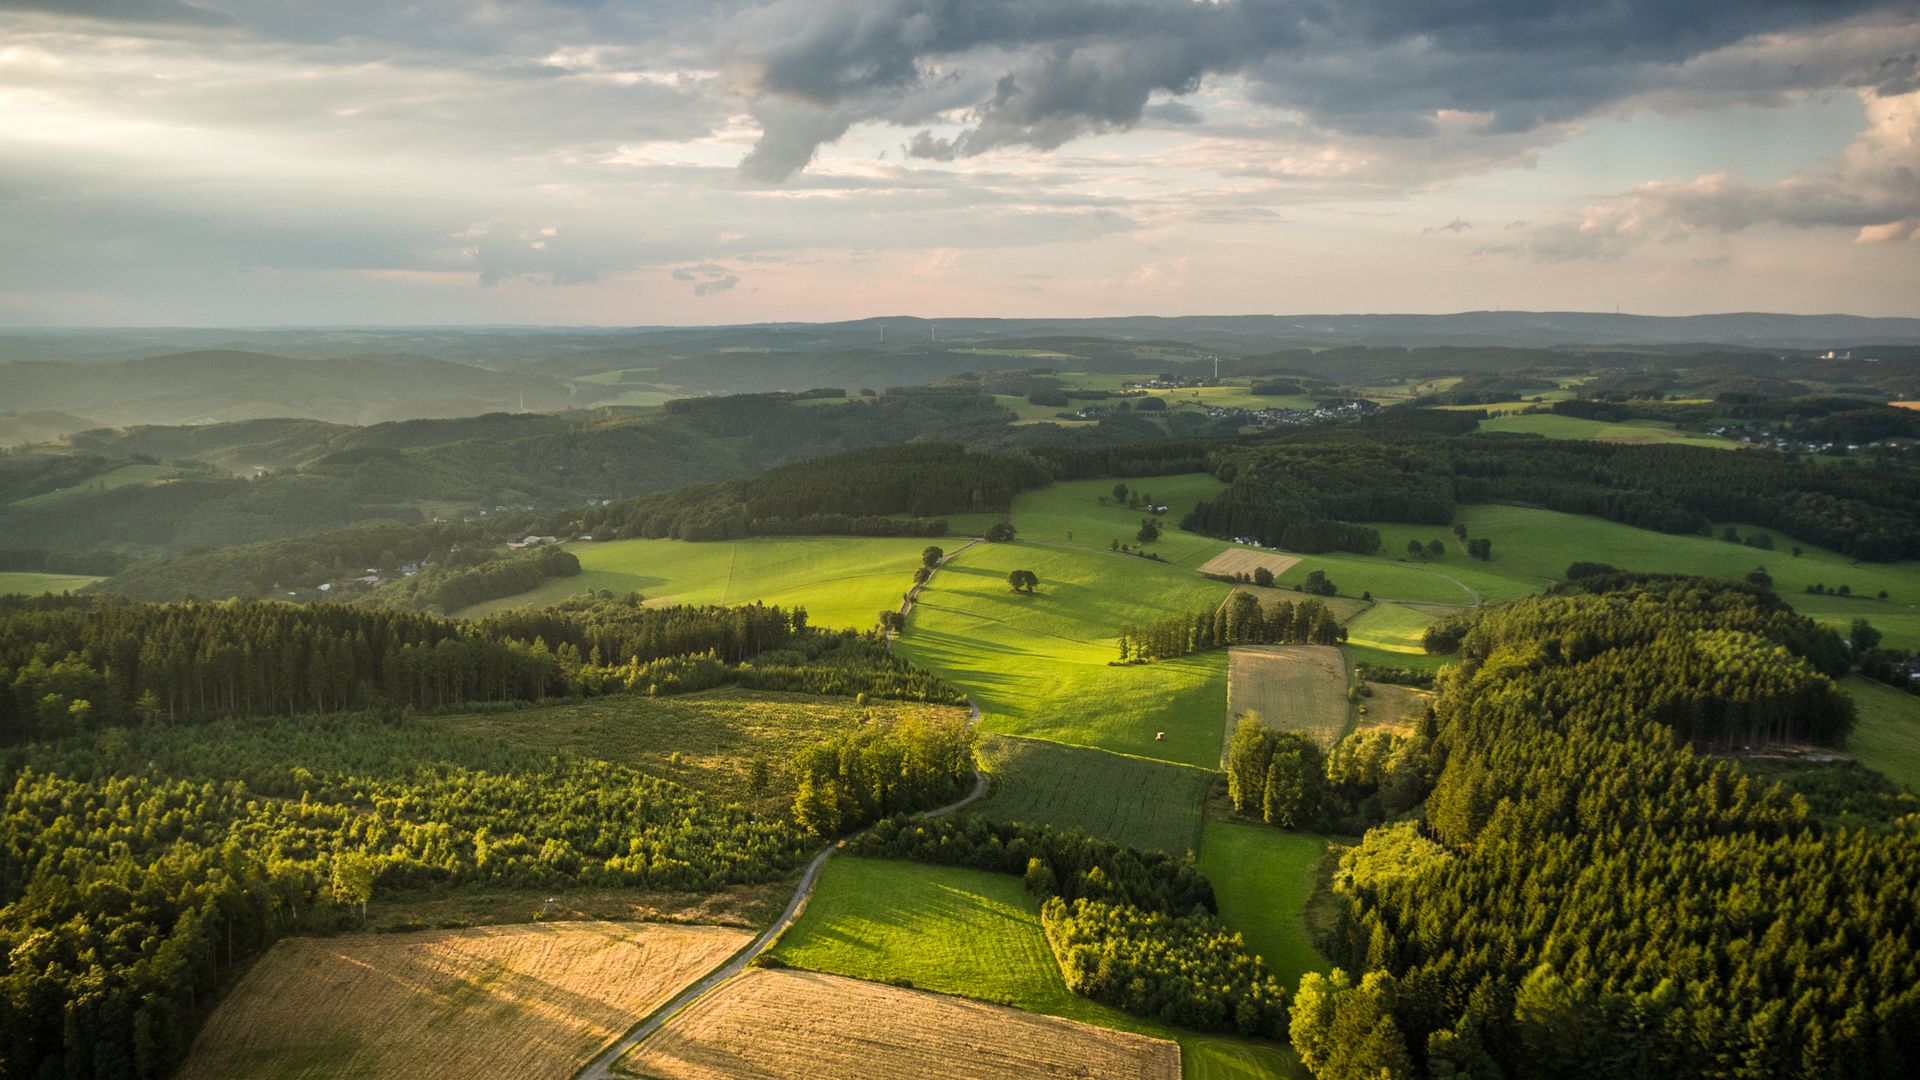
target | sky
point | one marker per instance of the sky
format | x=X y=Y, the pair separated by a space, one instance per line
x=286 y=162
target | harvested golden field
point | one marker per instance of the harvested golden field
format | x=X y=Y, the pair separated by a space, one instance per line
x=1395 y=708
x=800 y=1024
x=1297 y=687
x=517 y=1002
x=1245 y=560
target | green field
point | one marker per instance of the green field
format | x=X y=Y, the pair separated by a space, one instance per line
x=841 y=581
x=1262 y=878
x=1072 y=514
x=36 y=584
x=1393 y=628
x=707 y=741
x=1038 y=665
x=1627 y=431
x=977 y=935
x=123 y=476
x=1131 y=801
x=1887 y=738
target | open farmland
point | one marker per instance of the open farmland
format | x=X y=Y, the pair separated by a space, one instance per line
x=1239 y=560
x=36 y=584
x=1297 y=687
x=517 y=1003
x=1129 y=800
x=1394 y=628
x=1083 y=514
x=1395 y=708
x=1262 y=878
x=977 y=935
x=709 y=741
x=800 y=1024
x=842 y=581
x=1887 y=736
x=1039 y=665
x=1625 y=431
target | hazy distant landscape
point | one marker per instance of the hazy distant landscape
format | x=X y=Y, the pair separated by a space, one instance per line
x=884 y=539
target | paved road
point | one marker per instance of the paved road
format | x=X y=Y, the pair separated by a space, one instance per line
x=601 y=1067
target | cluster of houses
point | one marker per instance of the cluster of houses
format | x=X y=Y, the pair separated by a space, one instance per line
x=526 y=542
x=1273 y=417
x=1757 y=435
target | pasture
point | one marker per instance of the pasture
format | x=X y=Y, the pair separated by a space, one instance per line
x=1887 y=736
x=1038 y=665
x=30 y=584
x=1296 y=687
x=800 y=1024
x=1129 y=800
x=1262 y=878
x=709 y=741
x=508 y=1002
x=122 y=476
x=1625 y=431
x=842 y=581
x=1394 y=628
x=977 y=935
x=1073 y=513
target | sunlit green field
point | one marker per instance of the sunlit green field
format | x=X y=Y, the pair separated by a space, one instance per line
x=1072 y=514
x=1131 y=801
x=1039 y=665
x=1625 y=431
x=977 y=935
x=1887 y=736
x=123 y=476
x=1392 y=628
x=1261 y=877
x=841 y=581
x=36 y=584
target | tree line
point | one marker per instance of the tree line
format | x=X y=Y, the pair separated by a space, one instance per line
x=1240 y=621
x=1589 y=896
x=69 y=665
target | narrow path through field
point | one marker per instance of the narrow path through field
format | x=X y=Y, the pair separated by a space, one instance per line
x=601 y=1067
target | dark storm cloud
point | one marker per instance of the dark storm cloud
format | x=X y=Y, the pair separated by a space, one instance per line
x=1039 y=75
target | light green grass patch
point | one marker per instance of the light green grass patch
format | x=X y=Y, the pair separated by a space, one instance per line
x=1393 y=628
x=1039 y=665
x=123 y=476
x=842 y=581
x=1129 y=800
x=1262 y=878
x=1573 y=427
x=1418 y=661
x=1887 y=736
x=1072 y=513
x=963 y=932
x=37 y=584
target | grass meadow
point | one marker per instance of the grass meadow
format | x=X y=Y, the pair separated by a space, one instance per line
x=977 y=935
x=1887 y=737
x=842 y=581
x=1129 y=800
x=1262 y=878
x=708 y=741
x=1627 y=431
x=1038 y=665
x=30 y=584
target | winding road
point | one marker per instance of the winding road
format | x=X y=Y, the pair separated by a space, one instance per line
x=601 y=1067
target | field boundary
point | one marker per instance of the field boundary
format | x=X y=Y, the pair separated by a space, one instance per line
x=601 y=1067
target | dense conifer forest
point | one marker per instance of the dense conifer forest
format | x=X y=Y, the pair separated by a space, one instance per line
x=1589 y=896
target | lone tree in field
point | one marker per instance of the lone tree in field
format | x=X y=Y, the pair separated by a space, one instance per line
x=931 y=557
x=1436 y=549
x=999 y=532
x=353 y=873
x=1120 y=493
x=1415 y=548
x=1263 y=577
x=1023 y=581
x=1149 y=531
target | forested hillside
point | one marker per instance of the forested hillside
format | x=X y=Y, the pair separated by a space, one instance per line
x=1591 y=897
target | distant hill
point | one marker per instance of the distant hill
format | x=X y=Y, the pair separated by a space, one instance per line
x=212 y=386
